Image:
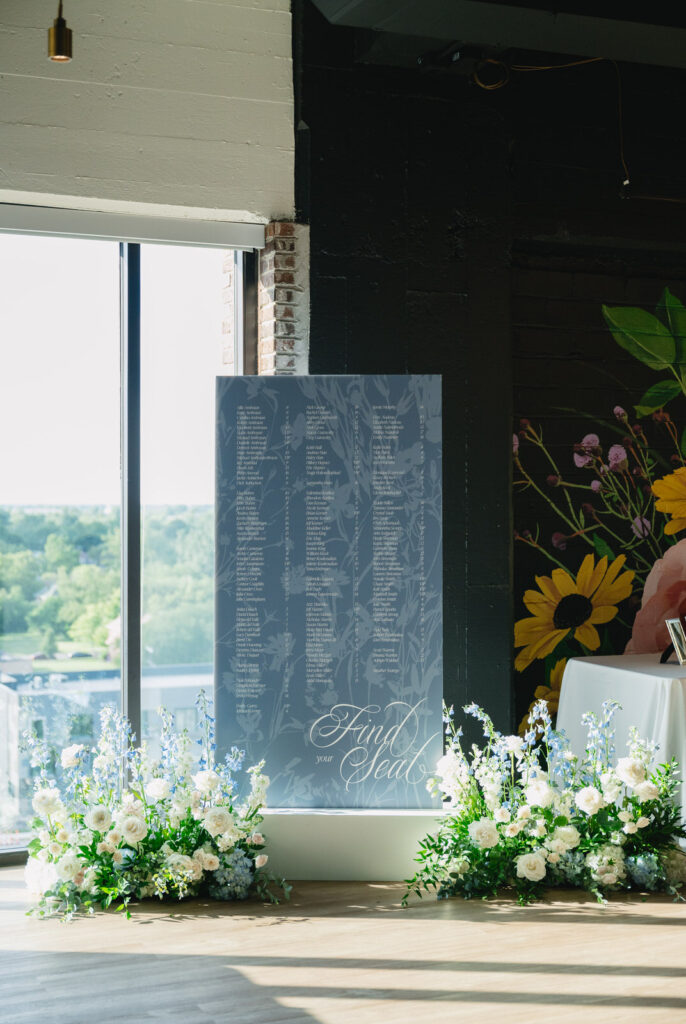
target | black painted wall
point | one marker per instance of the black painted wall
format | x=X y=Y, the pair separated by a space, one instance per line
x=419 y=188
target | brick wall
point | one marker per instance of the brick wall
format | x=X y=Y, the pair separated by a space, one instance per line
x=284 y=303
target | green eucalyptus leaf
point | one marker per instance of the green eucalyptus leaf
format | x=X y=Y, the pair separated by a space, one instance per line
x=658 y=396
x=602 y=547
x=642 y=335
x=674 y=314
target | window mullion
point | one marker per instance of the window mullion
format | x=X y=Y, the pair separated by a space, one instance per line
x=130 y=292
x=246 y=312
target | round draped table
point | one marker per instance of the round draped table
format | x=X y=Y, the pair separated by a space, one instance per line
x=652 y=696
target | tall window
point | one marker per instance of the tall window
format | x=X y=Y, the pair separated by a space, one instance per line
x=63 y=638
x=59 y=501
x=181 y=344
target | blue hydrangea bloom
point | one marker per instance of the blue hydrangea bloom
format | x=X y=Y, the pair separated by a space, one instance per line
x=645 y=871
x=233 y=877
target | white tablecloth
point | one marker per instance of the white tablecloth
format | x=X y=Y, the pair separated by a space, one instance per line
x=653 y=698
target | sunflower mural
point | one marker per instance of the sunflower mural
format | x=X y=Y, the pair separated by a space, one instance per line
x=611 y=512
x=564 y=605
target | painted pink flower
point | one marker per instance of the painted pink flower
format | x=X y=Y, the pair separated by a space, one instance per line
x=559 y=541
x=664 y=597
x=596 y=485
x=619 y=412
x=616 y=458
x=584 y=451
x=641 y=527
x=515 y=444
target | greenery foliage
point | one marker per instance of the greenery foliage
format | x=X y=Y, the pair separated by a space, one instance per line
x=60 y=580
x=527 y=813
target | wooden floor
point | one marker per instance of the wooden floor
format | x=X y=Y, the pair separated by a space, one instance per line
x=343 y=952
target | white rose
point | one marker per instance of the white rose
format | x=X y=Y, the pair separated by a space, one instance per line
x=538 y=829
x=113 y=837
x=68 y=866
x=104 y=847
x=98 y=818
x=179 y=864
x=524 y=812
x=44 y=836
x=625 y=816
x=531 y=866
x=643 y=822
x=483 y=833
x=256 y=839
x=217 y=820
x=54 y=849
x=631 y=771
x=609 y=878
x=645 y=791
x=62 y=835
x=206 y=781
x=130 y=804
x=69 y=757
x=211 y=862
x=556 y=846
x=589 y=800
x=196 y=870
x=261 y=860
x=157 y=789
x=630 y=828
x=501 y=814
x=47 y=801
x=539 y=793
x=117 y=856
x=567 y=834
x=513 y=829
x=133 y=830
x=553 y=857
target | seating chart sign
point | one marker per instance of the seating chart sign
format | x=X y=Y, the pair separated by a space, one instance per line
x=329 y=585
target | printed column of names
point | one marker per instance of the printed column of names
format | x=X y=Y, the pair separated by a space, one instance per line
x=251 y=444
x=387 y=531
x=320 y=565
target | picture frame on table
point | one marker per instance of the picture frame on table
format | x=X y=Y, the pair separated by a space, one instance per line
x=678 y=638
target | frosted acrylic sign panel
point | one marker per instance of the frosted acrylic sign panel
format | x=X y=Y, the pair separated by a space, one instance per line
x=329 y=585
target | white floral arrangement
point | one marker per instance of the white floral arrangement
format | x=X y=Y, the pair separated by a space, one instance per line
x=527 y=813
x=126 y=826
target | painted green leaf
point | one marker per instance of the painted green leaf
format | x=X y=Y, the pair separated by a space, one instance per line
x=682 y=443
x=657 y=396
x=673 y=312
x=602 y=548
x=642 y=335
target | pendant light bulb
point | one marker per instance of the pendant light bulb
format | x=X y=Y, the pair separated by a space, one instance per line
x=59 y=39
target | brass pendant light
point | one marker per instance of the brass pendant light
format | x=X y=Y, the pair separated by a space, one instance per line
x=59 y=39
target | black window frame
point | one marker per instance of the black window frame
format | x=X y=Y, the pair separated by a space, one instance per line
x=245 y=341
